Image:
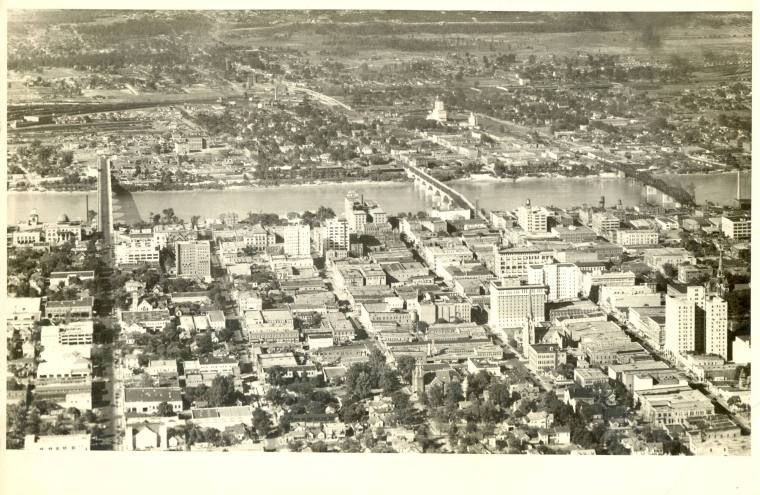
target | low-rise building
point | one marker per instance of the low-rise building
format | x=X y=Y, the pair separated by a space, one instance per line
x=587 y=377
x=545 y=357
x=145 y=400
x=715 y=435
x=78 y=442
x=664 y=407
x=70 y=310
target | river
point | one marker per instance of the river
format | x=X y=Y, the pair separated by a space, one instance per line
x=393 y=196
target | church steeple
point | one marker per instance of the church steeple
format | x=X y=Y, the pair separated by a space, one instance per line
x=529 y=328
x=418 y=377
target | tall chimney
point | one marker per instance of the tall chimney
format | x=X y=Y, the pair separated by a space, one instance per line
x=738 y=184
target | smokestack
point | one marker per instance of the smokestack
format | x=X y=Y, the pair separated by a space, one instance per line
x=738 y=185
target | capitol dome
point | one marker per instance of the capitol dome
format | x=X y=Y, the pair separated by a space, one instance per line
x=63 y=218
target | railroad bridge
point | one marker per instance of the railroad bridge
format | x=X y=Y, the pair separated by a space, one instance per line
x=448 y=196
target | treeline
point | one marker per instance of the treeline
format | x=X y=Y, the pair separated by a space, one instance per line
x=567 y=24
x=180 y=22
x=115 y=59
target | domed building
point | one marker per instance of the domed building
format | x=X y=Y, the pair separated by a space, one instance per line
x=63 y=230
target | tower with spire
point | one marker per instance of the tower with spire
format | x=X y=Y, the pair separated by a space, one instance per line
x=529 y=329
x=418 y=377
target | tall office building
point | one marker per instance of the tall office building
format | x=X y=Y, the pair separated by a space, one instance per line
x=335 y=235
x=514 y=262
x=193 y=259
x=512 y=303
x=679 y=324
x=532 y=219
x=105 y=205
x=297 y=240
x=695 y=295
x=563 y=280
x=716 y=326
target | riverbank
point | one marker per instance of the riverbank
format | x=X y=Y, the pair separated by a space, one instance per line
x=488 y=178
x=241 y=187
x=393 y=196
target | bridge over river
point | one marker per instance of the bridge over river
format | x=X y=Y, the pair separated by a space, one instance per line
x=447 y=194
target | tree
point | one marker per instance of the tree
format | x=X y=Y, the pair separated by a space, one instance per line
x=403 y=410
x=222 y=392
x=276 y=376
x=319 y=446
x=277 y=395
x=406 y=365
x=453 y=435
x=295 y=445
x=377 y=366
x=734 y=400
x=477 y=383
x=262 y=422
x=359 y=381
x=454 y=393
x=389 y=381
x=669 y=270
x=498 y=393
x=352 y=411
x=205 y=344
x=435 y=395
x=165 y=409
x=351 y=446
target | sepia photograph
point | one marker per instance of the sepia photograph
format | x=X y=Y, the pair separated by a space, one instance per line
x=378 y=231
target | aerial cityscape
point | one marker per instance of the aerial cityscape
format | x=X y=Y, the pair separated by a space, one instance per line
x=379 y=231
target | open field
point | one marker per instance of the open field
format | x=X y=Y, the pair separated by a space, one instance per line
x=624 y=43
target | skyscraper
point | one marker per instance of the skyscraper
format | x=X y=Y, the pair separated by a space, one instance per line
x=512 y=303
x=563 y=280
x=193 y=259
x=335 y=235
x=105 y=213
x=297 y=240
x=716 y=326
x=679 y=324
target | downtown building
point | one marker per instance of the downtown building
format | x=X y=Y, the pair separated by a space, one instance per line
x=193 y=259
x=736 y=228
x=105 y=204
x=532 y=219
x=514 y=262
x=716 y=326
x=695 y=322
x=335 y=238
x=359 y=212
x=511 y=303
x=297 y=240
x=135 y=248
x=680 y=325
x=604 y=224
x=563 y=280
